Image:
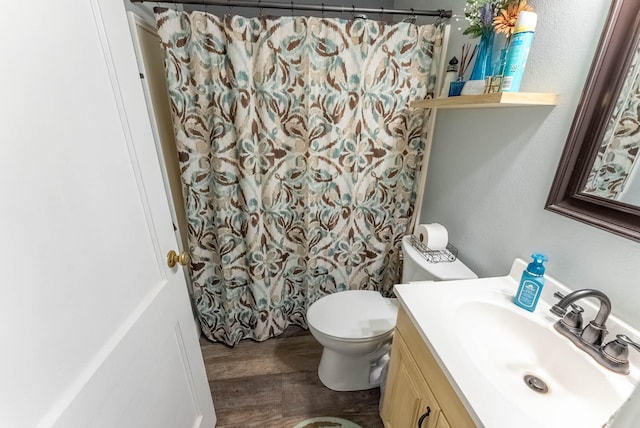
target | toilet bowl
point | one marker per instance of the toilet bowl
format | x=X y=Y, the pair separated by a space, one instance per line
x=355 y=327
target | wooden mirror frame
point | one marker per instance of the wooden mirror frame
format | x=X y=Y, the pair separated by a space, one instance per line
x=608 y=72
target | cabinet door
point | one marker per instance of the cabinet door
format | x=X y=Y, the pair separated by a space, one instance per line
x=442 y=422
x=408 y=401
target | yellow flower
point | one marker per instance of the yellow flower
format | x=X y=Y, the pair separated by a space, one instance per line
x=505 y=22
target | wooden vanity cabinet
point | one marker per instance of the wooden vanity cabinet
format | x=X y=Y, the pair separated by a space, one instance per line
x=416 y=386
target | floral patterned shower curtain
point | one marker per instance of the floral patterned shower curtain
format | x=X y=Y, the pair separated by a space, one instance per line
x=299 y=156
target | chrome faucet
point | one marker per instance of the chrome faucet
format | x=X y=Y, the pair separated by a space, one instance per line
x=594 y=333
x=614 y=355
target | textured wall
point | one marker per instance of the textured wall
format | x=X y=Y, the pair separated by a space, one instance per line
x=491 y=169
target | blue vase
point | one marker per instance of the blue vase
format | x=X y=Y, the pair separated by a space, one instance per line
x=483 y=66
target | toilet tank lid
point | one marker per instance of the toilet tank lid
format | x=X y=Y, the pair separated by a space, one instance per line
x=444 y=271
x=353 y=314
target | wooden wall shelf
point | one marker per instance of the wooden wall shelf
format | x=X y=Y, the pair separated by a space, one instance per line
x=498 y=99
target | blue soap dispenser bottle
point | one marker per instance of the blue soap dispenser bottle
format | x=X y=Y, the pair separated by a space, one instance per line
x=531 y=283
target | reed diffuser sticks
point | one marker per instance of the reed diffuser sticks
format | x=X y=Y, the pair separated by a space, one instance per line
x=466 y=59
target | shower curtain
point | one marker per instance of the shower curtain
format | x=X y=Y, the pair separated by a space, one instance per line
x=299 y=156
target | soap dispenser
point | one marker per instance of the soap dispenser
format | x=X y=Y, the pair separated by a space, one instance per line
x=531 y=283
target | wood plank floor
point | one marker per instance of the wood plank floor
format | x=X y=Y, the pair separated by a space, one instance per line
x=274 y=384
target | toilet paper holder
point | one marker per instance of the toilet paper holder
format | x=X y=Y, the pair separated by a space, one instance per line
x=450 y=254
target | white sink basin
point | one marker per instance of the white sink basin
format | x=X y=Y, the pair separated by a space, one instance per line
x=507 y=345
x=490 y=345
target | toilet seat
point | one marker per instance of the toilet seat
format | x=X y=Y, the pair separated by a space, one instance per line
x=353 y=315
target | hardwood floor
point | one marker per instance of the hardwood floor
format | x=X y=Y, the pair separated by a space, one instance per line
x=274 y=384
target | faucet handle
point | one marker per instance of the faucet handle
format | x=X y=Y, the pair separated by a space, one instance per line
x=573 y=319
x=618 y=350
x=577 y=310
x=628 y=341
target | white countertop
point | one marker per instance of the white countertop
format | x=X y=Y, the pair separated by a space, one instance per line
x=430 y=304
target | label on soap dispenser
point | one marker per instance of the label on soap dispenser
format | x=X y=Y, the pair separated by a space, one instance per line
x=528 y=293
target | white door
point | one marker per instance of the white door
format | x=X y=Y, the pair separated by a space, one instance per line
x=150 y=59
x=95 y=329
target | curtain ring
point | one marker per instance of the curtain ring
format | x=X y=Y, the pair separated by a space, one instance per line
x=292 y=8
x=322 y=10
x=381 y=13
x=261 y=13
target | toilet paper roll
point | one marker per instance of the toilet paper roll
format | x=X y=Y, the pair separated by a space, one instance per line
x=434 y=235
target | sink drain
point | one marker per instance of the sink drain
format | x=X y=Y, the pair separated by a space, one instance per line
x=536 y=384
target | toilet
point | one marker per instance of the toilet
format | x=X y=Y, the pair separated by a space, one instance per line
x=355 y=327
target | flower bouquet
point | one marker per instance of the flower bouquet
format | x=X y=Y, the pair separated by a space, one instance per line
x=486 y=17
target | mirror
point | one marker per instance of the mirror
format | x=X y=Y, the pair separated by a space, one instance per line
x=598 y=178
x=614 y=172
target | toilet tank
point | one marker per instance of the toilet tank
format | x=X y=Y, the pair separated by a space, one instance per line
x=416 y=268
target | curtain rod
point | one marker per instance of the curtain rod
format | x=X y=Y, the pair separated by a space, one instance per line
x=317 y=8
